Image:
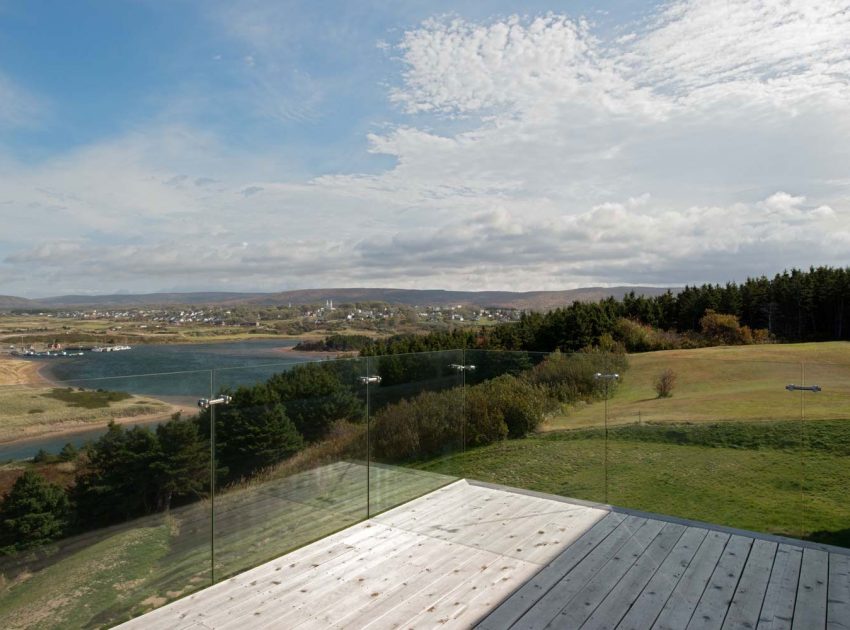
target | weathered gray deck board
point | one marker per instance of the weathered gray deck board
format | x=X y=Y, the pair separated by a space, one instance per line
x=838 y=597
x=565 y=590
x=620 y=598
x=575 y=613
x=683 y=600
x=651 y=600
x=749 y=596
x=530 y=592
x=468 y=554
x=777 y=610
x=810 y=611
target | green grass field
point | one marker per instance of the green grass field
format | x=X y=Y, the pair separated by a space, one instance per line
x=741 y=383
x=769 y=485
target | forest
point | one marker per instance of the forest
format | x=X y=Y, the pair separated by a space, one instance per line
x=793 y=306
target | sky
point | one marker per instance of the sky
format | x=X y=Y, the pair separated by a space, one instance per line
x=266 y=145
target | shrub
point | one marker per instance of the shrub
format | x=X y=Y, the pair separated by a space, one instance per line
x=423 y=426
x=43 y=457
x=665 y=382
x=68 y=453
x=521 y=403
x=571 y=378
x=718 y=328
x=484 y=417
x=639 y=337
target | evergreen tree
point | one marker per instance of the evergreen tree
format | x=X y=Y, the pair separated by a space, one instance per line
x=251 y=433
x=33 y=513
x=118 y=484
x=182 y=469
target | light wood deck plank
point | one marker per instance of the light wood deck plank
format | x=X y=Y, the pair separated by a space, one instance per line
x=529 y=593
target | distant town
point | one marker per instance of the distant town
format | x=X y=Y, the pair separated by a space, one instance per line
x=46 y=329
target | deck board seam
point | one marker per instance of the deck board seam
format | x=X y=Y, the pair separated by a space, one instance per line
x=595 y=573
x=658 y=568
x=673 y=589
x=738 y=580
x=708 y=581
x=580 y=558
x=767 y=587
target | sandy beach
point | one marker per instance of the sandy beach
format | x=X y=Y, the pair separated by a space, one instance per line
x=15 y=371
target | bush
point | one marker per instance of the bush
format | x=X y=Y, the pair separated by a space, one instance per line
x=571 y=378
x=726 y=330
x=484 y=417
x=521 y=403
x=665 y=382
x=68 y=453
x=43 y=457
x=423 y=426
x=638 y=337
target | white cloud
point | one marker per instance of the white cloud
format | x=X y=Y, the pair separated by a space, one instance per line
x=710 y=143
x=787 y=52
x=459 y=67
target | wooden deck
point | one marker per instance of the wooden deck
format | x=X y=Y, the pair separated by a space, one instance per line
x=468 y=555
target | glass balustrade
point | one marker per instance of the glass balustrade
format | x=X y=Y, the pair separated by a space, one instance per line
x=130 y=492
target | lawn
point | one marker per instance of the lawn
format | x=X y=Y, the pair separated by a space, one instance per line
x=741 y=383
x=763 y=486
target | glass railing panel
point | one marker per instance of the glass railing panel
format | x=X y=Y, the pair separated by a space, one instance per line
x=707 y=439
x=105 y=512
x=416 y=425
x=290 y=456
x=553 y=439
x=826 y=438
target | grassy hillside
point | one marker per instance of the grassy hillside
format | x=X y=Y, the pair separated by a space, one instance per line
x=739 y=383
x=103 y=577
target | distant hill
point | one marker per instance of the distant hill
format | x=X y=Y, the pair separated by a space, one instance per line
x=9 y=302
x=533 y=300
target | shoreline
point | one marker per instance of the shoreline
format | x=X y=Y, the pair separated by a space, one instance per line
x=76 y=427
x=329 y=354
x=18 y=372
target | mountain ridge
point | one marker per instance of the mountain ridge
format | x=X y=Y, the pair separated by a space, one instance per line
x=532 y=300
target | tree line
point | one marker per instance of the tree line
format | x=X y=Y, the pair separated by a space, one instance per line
x=793 y=306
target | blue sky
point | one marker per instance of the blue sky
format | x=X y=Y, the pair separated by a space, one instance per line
x=261 y=145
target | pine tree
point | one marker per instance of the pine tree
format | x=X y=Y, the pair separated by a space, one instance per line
x=33 y=513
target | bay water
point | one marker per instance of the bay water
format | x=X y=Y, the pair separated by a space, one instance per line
x=176 y=373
